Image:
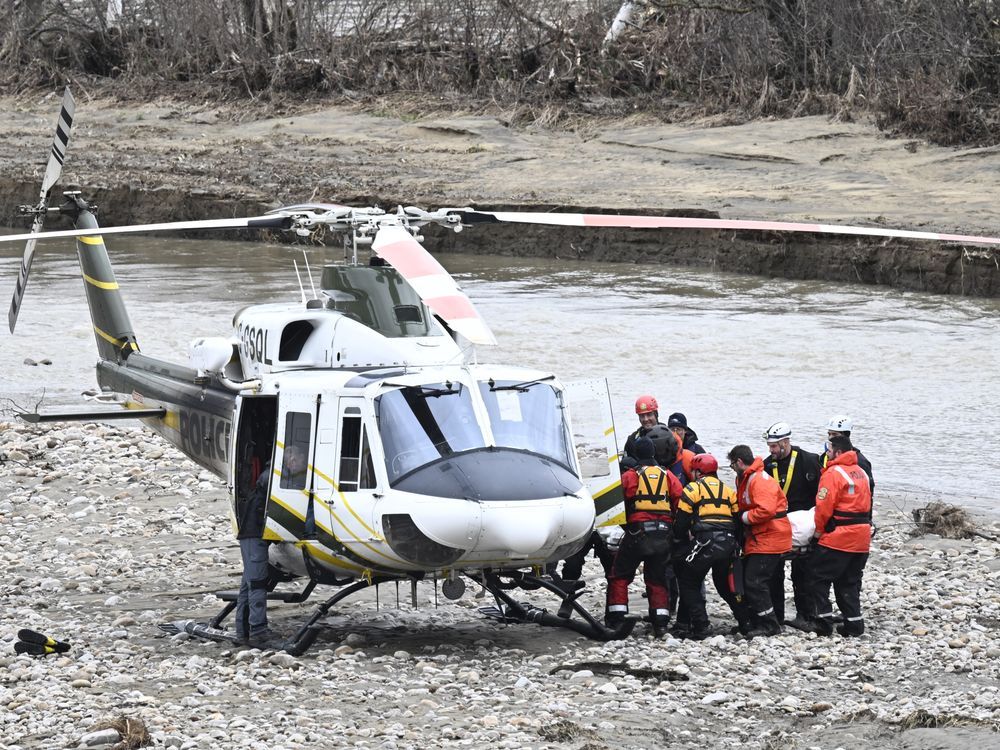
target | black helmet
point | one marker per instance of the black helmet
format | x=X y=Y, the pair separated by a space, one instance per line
x=644 y=449
x=664 y=444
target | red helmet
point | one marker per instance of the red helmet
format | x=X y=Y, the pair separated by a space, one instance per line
x=705 y=463
x=646 y=404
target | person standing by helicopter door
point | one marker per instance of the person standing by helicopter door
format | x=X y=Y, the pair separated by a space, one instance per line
x=251 y=603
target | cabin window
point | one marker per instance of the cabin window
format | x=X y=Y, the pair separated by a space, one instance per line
x=293 y=337
x=295 y=455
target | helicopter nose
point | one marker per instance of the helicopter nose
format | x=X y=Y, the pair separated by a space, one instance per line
x=504 y=528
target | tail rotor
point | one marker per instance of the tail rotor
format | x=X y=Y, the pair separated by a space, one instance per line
x=52 y=172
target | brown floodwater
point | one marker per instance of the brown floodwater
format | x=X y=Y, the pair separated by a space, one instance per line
x=917 y=372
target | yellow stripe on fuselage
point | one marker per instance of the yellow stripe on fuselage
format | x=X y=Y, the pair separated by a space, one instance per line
x=347 y=505
x=117 y=342
x=92 y=240
x=324 y=528
x=112 y=285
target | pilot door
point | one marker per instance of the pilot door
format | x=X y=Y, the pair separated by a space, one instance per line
x=346 y=443
x=292 y=511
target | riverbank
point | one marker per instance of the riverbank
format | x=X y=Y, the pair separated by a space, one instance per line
x=106 y=531
x=169 y=160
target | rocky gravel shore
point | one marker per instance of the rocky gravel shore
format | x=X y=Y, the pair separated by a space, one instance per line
x=105 y=531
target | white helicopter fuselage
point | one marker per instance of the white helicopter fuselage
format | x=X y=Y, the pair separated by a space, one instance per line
x=417 y=461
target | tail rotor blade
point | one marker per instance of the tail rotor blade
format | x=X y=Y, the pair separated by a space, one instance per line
x=22 y=276
x=59 y=143
x=53 y=169
x=432 y=283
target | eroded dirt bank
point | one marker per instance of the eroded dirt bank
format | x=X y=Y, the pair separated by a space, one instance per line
x=167 y=161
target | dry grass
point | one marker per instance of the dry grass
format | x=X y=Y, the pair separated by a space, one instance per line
x=921 y=719
x=918 y=66
x=133 y=732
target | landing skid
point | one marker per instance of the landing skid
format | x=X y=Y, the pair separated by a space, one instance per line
x=297 y=644
x=510 y=611
x=506 y=610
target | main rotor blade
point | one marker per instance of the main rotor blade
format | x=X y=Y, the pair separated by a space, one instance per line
x=472 y=216
x=52 y=171
x=254 y=222
x=432 y=283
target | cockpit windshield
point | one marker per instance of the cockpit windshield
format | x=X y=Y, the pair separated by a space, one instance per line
x=527 y=416
x=420 y=424
x=425 y=423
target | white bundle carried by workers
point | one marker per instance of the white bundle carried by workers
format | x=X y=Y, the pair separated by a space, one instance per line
x=803 y=526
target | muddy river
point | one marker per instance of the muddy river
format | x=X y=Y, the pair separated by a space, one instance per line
x=916 y=372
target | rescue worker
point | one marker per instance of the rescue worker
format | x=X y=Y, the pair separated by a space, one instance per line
x=842 y=425
x=678 y=460
x=705 y=531
x=649 y=416
x=687 y=437
x=650 y=493
x=667 y=450
x=843 y=531
x=797 y=472
x=767 y=536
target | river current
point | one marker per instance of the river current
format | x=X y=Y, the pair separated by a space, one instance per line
x=917 y=372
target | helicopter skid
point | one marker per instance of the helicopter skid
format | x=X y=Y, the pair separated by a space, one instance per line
x=508 y=610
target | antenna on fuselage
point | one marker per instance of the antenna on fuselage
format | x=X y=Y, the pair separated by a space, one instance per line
x=302 y=291
x=312 y=284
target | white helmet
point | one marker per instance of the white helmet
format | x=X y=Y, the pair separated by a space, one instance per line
x=777 y=431
x=839 y=423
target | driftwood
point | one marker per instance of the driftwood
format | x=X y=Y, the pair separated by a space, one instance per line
x=948 y=521
x=623 y=668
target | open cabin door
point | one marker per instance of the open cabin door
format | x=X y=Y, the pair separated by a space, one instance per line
x=253 y=446
x=597 y=447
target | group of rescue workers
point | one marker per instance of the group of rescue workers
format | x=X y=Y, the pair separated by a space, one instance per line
x=682 y=522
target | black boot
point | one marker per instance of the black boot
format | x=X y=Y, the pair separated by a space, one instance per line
x=613 y=619
x=661 y=626
x=766 y=626
x=852 y=629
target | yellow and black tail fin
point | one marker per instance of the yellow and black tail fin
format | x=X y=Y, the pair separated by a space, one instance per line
x=112 y=328
x=37 y=644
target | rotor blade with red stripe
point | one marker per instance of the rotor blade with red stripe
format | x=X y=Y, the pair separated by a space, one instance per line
x=471 y=216
x=432 y=283
x=254 y=222
x=52 y=171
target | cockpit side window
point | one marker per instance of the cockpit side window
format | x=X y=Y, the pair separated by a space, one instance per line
x=356 y=468
x=350 y=449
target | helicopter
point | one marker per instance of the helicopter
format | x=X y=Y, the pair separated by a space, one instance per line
x=422 y=461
